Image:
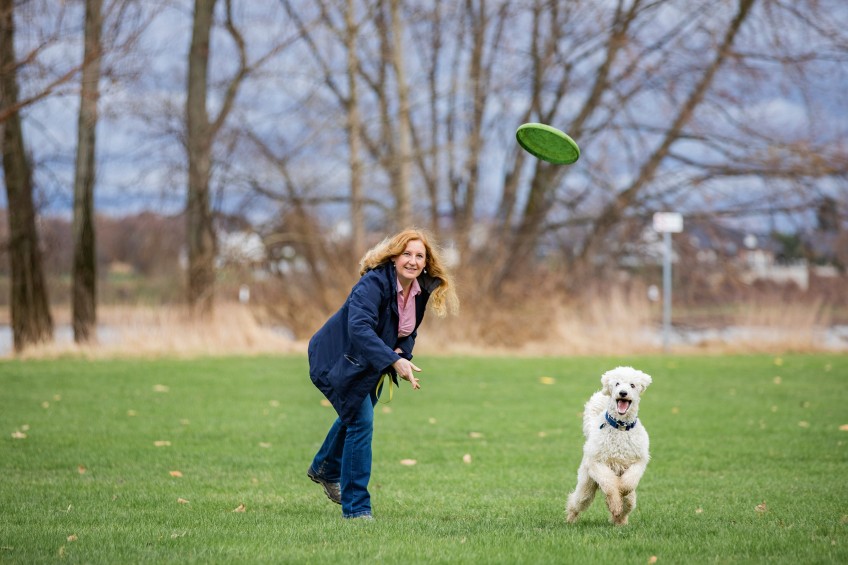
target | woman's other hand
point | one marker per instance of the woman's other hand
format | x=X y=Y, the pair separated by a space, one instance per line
x=405 y=370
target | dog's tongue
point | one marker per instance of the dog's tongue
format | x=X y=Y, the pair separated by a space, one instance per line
x=623 y=405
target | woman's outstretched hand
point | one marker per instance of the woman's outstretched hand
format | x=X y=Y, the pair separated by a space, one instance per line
x=405 y=369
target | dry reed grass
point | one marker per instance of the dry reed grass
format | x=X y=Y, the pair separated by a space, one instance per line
x=126 y=331
x=615 y=322
x=770 y=324
x=625 y=322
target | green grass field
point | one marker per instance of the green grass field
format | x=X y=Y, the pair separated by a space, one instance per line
x=92 y=482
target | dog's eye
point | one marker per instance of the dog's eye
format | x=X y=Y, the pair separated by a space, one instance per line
x=632 y=385
x=616 y=384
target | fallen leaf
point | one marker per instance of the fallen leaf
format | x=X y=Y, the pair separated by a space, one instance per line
x=162 y=443
x=62 y=552
x=160 y=388
x=45 y=405
x=843 y=427
x=761 y=507
x=176 y=474
x=804 y=424
x=57 y=397
x=432 y=420
x=240 y=508
x=176 y=535
x=408 y=462
x=182 y=501
x=475 y=435
x=699 y=510
x=543 y=434
x=652 y=559
x=264 y=444
x=547 y=380
x=72 y=537
x=81 y=469
x=387 y=409
x=777 y=380
x=25 y=428
x=274 y=403
x=844 y=519
x=132 y=413
x=17 y=434
x=778 y=361
x=675 y=410
x=774 y=408
x=466 y=458
x=184 y=422
x=326 y=403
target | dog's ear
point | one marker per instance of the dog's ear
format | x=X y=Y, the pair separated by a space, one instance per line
x=642 y=380
x=607 y=382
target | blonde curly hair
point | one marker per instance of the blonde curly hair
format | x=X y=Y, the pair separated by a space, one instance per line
x=444 y=299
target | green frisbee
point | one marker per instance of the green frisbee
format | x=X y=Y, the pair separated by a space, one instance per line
x=547 y=143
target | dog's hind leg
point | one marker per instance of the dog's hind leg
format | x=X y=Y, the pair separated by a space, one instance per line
x=582 y=496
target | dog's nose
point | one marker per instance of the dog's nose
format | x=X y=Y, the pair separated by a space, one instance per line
x=623 y=393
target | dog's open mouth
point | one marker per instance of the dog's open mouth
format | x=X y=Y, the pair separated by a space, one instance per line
x=623 y=405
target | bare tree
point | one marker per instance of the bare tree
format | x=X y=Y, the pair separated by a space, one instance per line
x=612 y=212
x=401 y=185
x=662 y=97
x=84 y=281
x=200 y=231
x=56 y=81
x=201 y=134
x=32 y=322
x=354 y=131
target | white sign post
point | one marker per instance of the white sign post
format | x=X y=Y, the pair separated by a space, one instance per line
x=667 y=223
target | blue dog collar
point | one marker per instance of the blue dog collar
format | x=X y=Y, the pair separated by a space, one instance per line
x=618 y=424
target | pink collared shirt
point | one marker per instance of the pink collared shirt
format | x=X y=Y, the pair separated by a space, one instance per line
x=406 y=308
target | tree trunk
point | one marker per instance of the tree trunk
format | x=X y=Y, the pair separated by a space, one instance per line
x=200 y=233
x=85 y=258
x=354 y=129
x=30 y=310
x=403 y=163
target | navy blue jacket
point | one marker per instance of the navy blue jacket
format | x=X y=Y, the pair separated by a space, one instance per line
x=357 y=344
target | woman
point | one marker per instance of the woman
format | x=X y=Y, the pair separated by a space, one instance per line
x=371 y=335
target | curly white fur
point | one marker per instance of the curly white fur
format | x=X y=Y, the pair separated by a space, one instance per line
x=614 y=459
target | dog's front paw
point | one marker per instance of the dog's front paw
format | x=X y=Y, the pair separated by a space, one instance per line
x=572 y=517
x=620 y=520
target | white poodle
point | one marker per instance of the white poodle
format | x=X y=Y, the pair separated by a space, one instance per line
x=616 y=450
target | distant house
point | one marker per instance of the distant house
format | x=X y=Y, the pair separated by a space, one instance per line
x=759 y=256
x=241 y=248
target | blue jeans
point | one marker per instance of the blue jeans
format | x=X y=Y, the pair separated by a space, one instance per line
x=345 y=457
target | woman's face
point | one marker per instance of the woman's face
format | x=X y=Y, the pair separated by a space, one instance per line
x=411 y=262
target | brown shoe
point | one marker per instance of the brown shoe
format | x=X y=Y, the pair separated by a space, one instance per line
x=332 y=490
